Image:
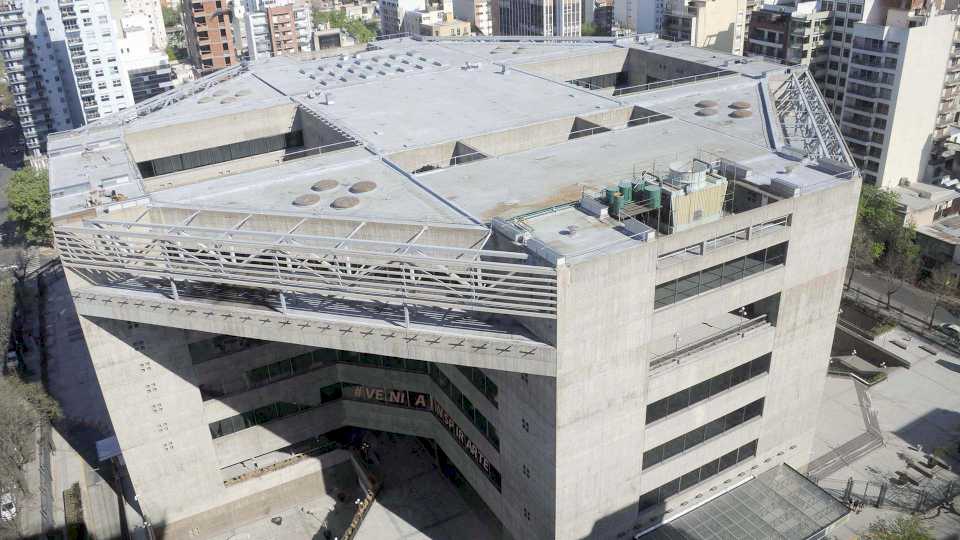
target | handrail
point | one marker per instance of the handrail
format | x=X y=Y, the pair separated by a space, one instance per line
x=706 y=342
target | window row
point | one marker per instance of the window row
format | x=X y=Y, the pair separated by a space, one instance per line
x=722 y=274
x=700 y=474
x=219 y=346
x=219 y=154
x=483 y=383
x=708 y=388
x=268 y=413
x=485 y=427
x=702 y=434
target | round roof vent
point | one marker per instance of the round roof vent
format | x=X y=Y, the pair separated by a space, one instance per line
x=363 y=186
x=325 y=185
x=228 y=99
x=707 y=103
x=308 y=199
x=740 y=105
x=706 y=112
x=342 y=203
x=741 y=114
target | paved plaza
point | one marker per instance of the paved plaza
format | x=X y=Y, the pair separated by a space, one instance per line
x=867 y=434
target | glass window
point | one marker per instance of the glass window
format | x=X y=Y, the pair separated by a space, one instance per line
x=688 y=286
x=753 y=263
x=492 y=391
x=776 y=255
x=372 y=360
x=719 y=383
x=678 y=401
x=280 y=370
x=713 y=429
x=665 y=294
x=728 y=460
x=467 y=407
x=493 y=436
x=649 y=500
x=709 y=469
x=711 y=278
x=760 y=365
x=700 y=392
x=754 y=409
x=418 y=366
x=747 y=451
x=652 y=457
x=656 y=410
x=286 y=409
x=733 y=419
x=669 y=489
x=349 y=357
x=265 y=414
x=672 y=448
x=732 y=271
x=392 y=362
x=740 y=374
x=330 y=393
x=302 y=363
x=258 y=376
x=690 y=479
x=480 y=421
x=693 y=438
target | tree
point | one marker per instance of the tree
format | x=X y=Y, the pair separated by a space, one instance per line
x=902 y=528
x=359 y=31
x=28 y=193
x=6 y=98
x=330 y=19
x=170 y=17
x=865 y=251
x=588 y=29
x=900 y=261
x=943 y=284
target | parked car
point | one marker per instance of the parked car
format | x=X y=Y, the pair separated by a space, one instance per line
x=950 y=330
x=8 y=509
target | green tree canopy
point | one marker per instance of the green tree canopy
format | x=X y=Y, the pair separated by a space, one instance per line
x=28 y=194
x=170 y=17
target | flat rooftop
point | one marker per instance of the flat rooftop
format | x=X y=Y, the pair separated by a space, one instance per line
x=456 y=132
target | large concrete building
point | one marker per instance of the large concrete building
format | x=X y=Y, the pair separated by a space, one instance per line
x=606 y=292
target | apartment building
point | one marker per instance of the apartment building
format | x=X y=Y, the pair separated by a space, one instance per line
x=149 y=15
x=148 y=68
x=639 y=16
x=479 y=13
x=540 y=18
x=795 y=33
x=209 y=34
x=64 y=65
x=595 y=336
x=279 y=28
x=711 y=24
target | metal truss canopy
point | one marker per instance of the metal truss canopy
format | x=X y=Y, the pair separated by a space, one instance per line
x=807 y=123
x=400 y=273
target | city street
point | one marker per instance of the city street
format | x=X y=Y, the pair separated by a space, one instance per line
x=913 y=300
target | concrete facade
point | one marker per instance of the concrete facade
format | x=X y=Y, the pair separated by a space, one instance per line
x=552 y=340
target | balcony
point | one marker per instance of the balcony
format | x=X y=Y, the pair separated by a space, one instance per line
x=858 y=120
x=735 y=328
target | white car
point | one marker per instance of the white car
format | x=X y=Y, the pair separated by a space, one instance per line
x=8 y=510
